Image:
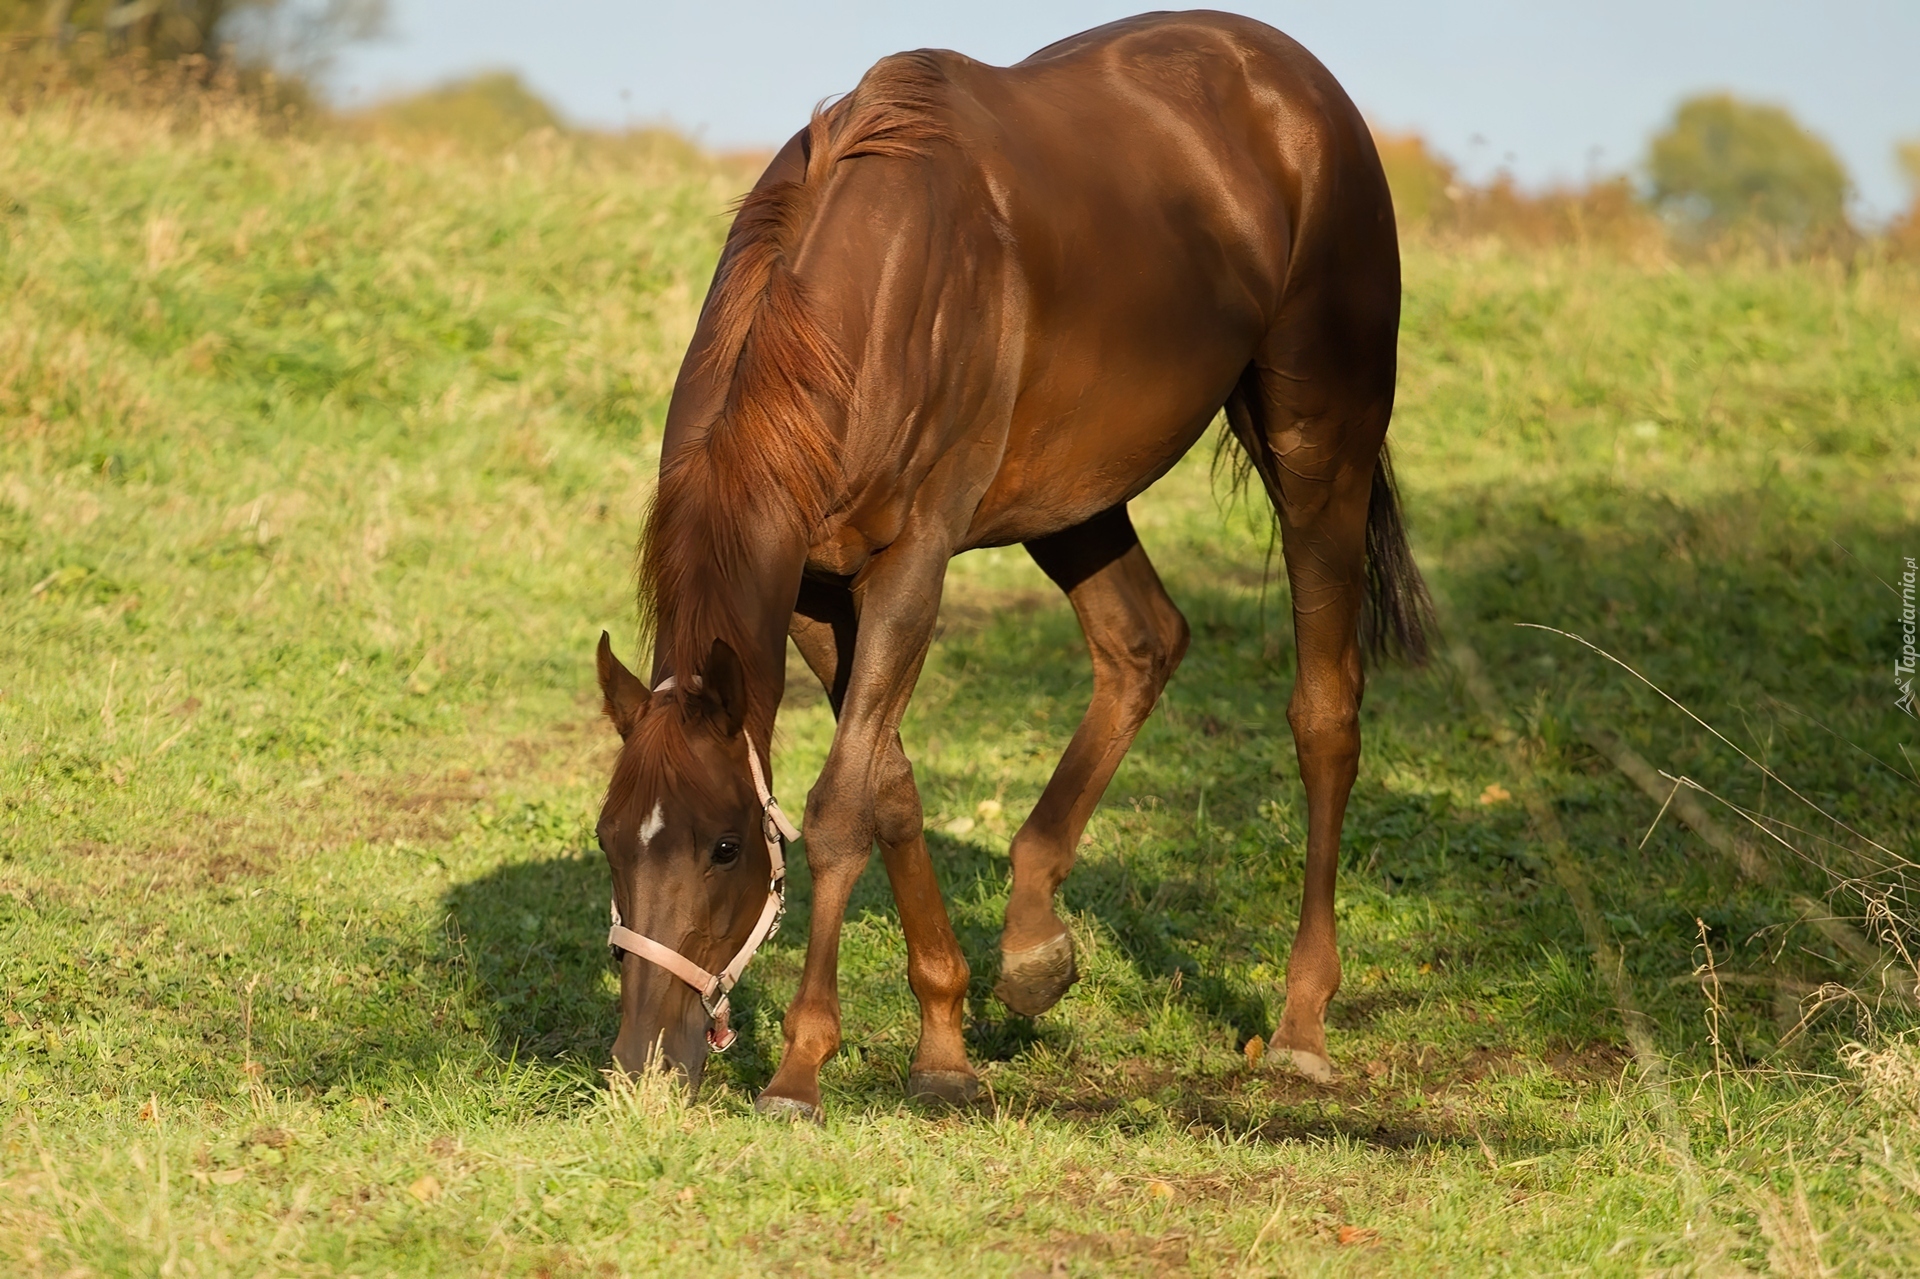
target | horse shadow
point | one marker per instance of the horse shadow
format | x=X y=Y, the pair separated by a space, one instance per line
x=1219 y=748
x=536 y=957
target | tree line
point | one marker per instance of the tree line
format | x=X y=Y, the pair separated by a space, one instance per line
x=295 y=36
x=1721 y=169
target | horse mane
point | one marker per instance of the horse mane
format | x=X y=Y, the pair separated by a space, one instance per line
x=771 y=454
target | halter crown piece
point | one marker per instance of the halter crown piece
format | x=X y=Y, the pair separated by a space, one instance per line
x=714 y=988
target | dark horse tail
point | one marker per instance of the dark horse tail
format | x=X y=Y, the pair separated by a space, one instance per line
x=1398 y=617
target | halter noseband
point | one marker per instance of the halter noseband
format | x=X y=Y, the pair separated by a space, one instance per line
x=714 y=988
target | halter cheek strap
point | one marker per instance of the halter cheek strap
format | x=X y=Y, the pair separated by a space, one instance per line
x=714 y=988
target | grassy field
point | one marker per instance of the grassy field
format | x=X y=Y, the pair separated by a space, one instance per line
x=321 y=465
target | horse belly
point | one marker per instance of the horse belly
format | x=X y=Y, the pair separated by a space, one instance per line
x=1075 y=451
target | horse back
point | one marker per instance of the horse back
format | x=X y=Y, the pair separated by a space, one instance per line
x=1045 y=306
x=1157 y=189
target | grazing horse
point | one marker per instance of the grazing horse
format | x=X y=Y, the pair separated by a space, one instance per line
x=970 y=306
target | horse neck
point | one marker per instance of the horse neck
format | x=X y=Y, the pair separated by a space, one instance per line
x=749 y=604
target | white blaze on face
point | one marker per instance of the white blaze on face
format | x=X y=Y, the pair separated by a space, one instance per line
x=655 y=823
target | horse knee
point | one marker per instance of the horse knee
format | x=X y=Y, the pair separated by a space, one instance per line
x=837 y=831
x=897 y=815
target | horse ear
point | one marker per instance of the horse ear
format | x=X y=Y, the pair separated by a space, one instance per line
x=723 y=687
x=626 y=697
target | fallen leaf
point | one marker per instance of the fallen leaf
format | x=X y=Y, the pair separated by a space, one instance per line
x=1255 y=1049
x=149 y=1111
x=1159 y=1190
x=426 y=1190
x=1495 y=793
x=959 y=826
x=1375 y=1069
x=686 y=1195
x=227 y=1176
x=1356 y=1235
x=988 y=809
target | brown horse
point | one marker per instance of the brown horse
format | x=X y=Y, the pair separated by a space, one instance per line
x=970 y=306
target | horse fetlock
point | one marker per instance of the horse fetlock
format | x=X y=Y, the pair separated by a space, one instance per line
x=809 y=1046
x=1037 y=875
x=1033 y=980
x=1300 y=1041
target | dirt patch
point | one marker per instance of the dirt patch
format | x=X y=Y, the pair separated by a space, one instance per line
x=1123 y=1250
x=1086 y=1186
x=1592 y=1064
x=201 y=849
x=210 y=852
x=435 y=801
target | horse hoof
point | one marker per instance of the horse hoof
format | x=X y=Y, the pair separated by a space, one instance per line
x=1032 y=980
x=787 y=1108
x=1310 y=1065
x=953 y=1087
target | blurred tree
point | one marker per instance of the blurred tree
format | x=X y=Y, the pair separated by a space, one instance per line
x=1905 y=231
x=294 y=35
x=1423 y=183
x=493 y=109
x=1724 y=164
x=1430 y=196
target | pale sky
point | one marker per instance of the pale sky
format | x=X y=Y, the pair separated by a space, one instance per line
x=1552 y=91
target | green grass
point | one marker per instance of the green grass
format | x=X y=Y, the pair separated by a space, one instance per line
x=321 y=465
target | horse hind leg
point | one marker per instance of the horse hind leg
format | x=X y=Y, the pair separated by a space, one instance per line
x=1136 y=638
x=1315 y=445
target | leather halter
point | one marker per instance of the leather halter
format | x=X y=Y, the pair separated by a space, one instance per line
x=714 y=988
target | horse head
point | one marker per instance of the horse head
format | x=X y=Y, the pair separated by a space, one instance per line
x=696 y=860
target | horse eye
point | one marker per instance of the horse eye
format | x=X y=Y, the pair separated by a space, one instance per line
x=727 y=851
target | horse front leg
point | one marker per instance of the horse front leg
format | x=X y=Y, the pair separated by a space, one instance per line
x=866 y=793
x=824 y=629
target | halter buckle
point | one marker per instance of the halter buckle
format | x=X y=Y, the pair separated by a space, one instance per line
x=717 y=1006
